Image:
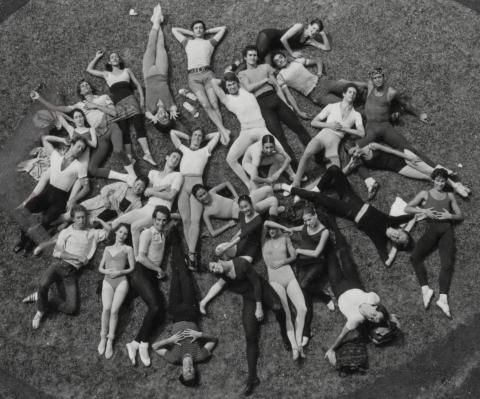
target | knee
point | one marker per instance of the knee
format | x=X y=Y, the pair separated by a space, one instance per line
x=301 y=310
x=107 y=309
x=114 y=313
x=231 y=159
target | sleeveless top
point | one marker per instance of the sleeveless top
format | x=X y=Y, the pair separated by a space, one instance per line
x=116 y=262
x=308 y=241
x=120 y=85
x=437 y=205
x=111 y=78
x=382 y=160
x=377 y=109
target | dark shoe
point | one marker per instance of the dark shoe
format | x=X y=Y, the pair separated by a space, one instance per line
x=20 y=244
x=192 y=263
x=28 y=247
x=250 y=386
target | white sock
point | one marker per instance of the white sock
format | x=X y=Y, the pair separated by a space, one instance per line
x=118 y=176
x=369 y=182
x=443 y=298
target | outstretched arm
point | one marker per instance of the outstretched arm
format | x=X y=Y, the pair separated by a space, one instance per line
x=407 y=105
x=288 y=35
x=60 y=108
x=91 y=66
x=213 y=139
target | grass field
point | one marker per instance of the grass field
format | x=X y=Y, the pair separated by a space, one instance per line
x=429 y=48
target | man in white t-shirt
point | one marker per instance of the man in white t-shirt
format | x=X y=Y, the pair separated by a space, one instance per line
x=164 y=186
x=60 y=187
x=75 y=246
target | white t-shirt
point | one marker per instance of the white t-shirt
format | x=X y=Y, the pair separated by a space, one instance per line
x=245 y=106
x=64 y=179
x=193 y=162
x=94 y=116
x=152 y=243
x=174 y=179
x=333 y=113
x=199 y=52
x=296 y=76
x=349 y=302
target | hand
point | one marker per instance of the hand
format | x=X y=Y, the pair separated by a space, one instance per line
x=303 y=115
x=445 y=215
x=430 y=213
x=69 y=205
x=90 y=105
x=99 y=54
x=176 y=338
x=330 y=355
x=189 y=333
x=395 y=116
x=174 y=114
x=272 y=80
x=424 y=118
x=114 y=274
x=297 y=54
x=336 y=126
x=82 y=259
x=148 y=192
x=34 y=95
x=160 y=274
x=278 y=263
x=202 y=307
x=259 y=313
x=66 y=141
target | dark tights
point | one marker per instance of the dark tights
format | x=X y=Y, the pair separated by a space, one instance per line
x=251 y=326
x=144 y=281
x=138 y=122
x=274 y=111
x=384 y=131
x=112 y=138
x=437 y=234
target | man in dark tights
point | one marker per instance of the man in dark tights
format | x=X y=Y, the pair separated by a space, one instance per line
x=184 y=347
x=144 y=279
x=260 y=80
x=377 y=225
x=378 y=111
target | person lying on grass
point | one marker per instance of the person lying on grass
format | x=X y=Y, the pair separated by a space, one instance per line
x=357 y=305
x=75 y=246
x=188 y=345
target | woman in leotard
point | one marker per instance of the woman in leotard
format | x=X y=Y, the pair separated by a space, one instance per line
x=199 y=57
x=293 y=38
x=217 y=206
x=160 y=108
x=239 y=277
x=246 y=242
x=278 y=252
x=378 y=226
x=115 y=286
x=192 y=165
x=406 y=163
x=441 y=210
x=340 y=118
x=357 y=305
x=311 y=260
x=119 y=79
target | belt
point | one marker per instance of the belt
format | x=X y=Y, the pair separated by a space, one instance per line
x=200 y=69
x=361 y=212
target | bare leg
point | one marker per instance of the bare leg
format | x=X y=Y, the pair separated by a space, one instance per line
x=118 y=298
x=203 y=99
x=107 y=298
x=237 y=150
x=290 y=329
x=196 y=210
x=314 y=147
x=295 y=294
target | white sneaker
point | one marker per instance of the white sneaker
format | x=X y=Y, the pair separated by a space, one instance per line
x=31 y=298
x=331 y=306
x=427 y=297
x=132 y=348
x=148 y=158
x=143 y=351
x=445 y=308
x=131 y=179
x=286 y=187
x=36 y=320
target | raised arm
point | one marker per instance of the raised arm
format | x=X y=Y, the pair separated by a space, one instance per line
x=91 y=66
x=213 y=139
x=180 y=34
x=218 y=32
x=223 y=185
x=35 y=96
x=69 y=128
x=315 y=253
x=288 y=35
x=48 y=140
x=325 y=46
x=275 y=225
x=177 y=136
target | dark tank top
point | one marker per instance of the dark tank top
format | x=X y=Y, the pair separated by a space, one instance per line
x=377 y=109
x=120 y=90
x=308 y=241
x=276 y=34
x=437 y=205
x=383 y=161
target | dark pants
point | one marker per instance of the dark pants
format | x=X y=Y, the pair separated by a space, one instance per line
x=182 y=301
x=65 y=276
x=51 y=202
x=112 y=138
x=437 y=234
x=343 y=276
x=384 y=131
x=274 y=111
x=251 y=326
x=145 y=283
x=138 y=122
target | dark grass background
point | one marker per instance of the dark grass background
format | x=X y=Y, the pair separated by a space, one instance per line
x=428 y=48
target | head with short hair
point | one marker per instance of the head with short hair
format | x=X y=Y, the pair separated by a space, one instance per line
x=79 y=215
x=439 y=172
x=78 y=144
x=84 y=87
x=350 y=92
x=279 y=59
x=250 y=47
x=196 y=138
x=189 y=375
x=230 y=83
x=200 y=192
x=198 y=28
